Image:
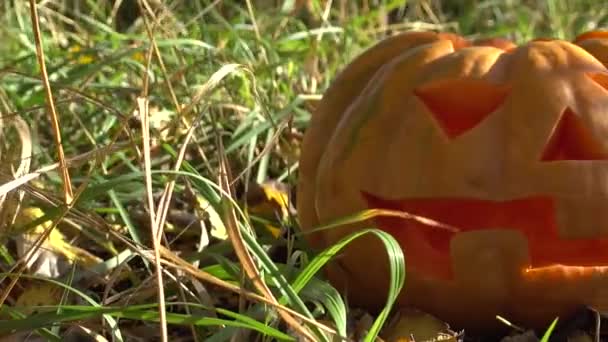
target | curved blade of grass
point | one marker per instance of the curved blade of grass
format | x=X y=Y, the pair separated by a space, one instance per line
x=315 y=289
x=124 y=215
x=396 y=261
x=103 y=185
x=265 y=159
x=305 y=35
x=396 y=264
x=109 y=264
x=331 y=300
x=181 y=319
x=245 y=250
x=549 y=331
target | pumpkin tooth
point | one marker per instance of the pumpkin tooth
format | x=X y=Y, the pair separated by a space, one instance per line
x=552 y=251
x=572 y=140
x=459 y=105
x=533 y=216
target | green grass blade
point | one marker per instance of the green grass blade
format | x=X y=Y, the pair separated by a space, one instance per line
x=549 y=331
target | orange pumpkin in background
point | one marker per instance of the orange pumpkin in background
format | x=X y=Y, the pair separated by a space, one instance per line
x=506 y=144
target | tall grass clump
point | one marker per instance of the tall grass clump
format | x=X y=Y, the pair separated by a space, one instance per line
x=134 y=133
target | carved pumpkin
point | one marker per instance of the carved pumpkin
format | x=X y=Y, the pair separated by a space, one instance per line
x=506 y=144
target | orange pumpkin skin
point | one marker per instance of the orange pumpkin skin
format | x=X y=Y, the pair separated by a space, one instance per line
x=506 y=144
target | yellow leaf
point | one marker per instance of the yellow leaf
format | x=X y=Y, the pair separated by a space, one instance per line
x=75 y=53
x=269 y=201
x=74 y=49
x=139 y=57
x=218 y=230
x=38 y=294
x=56 y=241
x=85 y=59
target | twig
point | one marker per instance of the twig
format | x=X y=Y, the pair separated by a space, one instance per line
x=156 y=230
x=67 y=185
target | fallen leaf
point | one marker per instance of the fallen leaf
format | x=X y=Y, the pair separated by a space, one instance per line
x=205 y=209
x=38 y=294
x=46 y=261
x=413 y=325
x=270 y=202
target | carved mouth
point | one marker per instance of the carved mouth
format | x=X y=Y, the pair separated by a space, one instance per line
x=428 y=248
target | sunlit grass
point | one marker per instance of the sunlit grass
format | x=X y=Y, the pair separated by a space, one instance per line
x=239 y=85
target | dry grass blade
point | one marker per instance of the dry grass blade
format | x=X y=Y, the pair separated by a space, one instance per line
x=67 y=185
x=205 y=90
x=267 y=149
x=25 y=136
x=372 y=213
x=211 y=83
x=156 y=230
x=74 y=161
x=15 y=183
x=149 y=30
x=10 y=202
x=165 y=200
x=245 y=257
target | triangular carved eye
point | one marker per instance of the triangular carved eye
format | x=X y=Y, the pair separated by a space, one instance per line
x=572 y=140
x=459 y=105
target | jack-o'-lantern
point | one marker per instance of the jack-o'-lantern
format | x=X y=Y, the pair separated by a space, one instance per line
x=506 y=144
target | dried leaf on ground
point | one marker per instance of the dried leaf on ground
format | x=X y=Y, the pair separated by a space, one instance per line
x=38 y=294
x=411 y=325
x=269 y=201
x=56 y=252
